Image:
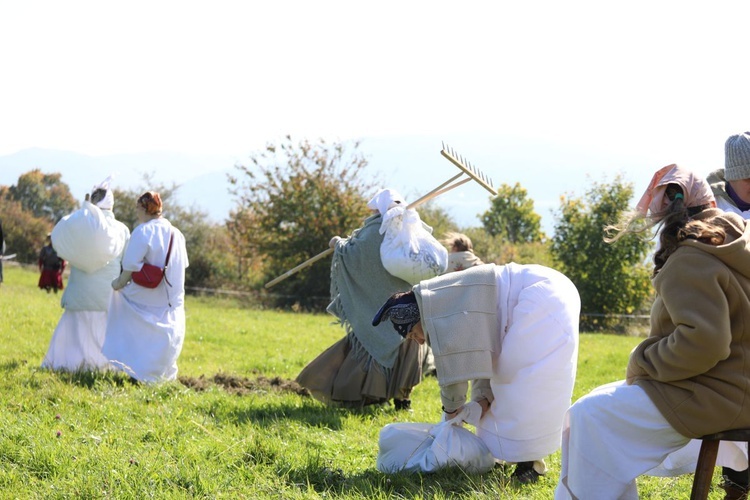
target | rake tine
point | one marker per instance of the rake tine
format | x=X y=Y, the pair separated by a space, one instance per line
x=468 y=168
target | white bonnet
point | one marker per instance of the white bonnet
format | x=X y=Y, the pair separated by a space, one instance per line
x=108 y=201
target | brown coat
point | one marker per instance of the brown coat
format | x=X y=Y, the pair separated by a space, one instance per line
x=695 y=365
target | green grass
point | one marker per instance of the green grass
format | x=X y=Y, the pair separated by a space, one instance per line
x=235 y=426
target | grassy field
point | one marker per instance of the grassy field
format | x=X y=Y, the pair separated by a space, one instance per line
x=234 y=426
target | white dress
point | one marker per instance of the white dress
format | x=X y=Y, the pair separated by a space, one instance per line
x=77 y=340
x=146 y=326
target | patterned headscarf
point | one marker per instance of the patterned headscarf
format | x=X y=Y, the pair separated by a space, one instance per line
x=697 y=191
x=401 y=308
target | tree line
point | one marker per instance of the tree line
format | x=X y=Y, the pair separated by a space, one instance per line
x=293 y=196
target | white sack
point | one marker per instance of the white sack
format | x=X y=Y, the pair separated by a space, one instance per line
x=409 y=251
x=418 y=447
x=87 y=239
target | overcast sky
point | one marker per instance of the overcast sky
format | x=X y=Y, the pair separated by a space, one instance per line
x=663 y=80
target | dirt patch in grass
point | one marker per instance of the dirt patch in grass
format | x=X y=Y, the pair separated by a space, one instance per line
x=234 y=384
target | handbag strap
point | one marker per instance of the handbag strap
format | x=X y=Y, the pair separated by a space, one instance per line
x=166 y=261
x=169 y=250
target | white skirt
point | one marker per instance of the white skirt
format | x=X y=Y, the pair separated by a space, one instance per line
x=77 y=342
x=144 y=341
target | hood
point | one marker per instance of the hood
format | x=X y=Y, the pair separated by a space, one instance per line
x=735 y=252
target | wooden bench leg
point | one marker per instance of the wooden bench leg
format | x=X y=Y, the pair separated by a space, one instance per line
x=704 y=470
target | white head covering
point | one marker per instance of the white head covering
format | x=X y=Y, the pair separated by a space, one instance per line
x=108 y=201
x=386 y=199
x=697 y=190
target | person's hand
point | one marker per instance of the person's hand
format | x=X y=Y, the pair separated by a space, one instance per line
x=120 y=282
x=334 y=240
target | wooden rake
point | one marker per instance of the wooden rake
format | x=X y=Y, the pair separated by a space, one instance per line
x=472 y=173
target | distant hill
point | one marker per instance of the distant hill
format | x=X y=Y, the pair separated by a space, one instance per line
x=411 y=165
x=202 y=179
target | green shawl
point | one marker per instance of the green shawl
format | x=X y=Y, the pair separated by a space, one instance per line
x=359 y=286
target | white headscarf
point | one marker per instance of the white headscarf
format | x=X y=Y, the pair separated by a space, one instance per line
x=108 y=201
x=386 y=199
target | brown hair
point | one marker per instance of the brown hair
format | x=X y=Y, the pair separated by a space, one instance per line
x=97 y=195
x=677 y=226
x=674 y=225
x=639 y=223
x=459 y=242
x=151 y=202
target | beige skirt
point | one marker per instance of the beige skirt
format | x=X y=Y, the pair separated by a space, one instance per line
x=339 y=376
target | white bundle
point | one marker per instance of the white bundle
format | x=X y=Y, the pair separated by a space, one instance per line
x=409 y=251
x=87 y=238
x=417 y=447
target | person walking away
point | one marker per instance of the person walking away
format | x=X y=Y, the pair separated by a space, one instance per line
x=146 y=326
x=92 y=241
x=51 y=267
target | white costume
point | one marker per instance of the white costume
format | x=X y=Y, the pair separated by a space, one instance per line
x=89 y=239
x=146 y=326
x=516 y=326
x=629 y=422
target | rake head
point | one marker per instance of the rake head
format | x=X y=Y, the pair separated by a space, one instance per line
x=469 y=169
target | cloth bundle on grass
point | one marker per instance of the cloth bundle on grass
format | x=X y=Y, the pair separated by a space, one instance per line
x=420 y=447
x=409 y=251
x=87 y=239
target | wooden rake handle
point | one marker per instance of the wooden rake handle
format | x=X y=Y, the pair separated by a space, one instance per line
x=307 y=263
x=424 y=199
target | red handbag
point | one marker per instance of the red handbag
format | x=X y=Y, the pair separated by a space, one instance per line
x=150 y=275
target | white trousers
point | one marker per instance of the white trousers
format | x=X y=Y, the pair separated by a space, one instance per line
x=615 y=434
x=610 y=437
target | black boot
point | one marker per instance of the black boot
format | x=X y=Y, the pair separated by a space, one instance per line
x=402 y=404
x=525 y=473
x=735 y=483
